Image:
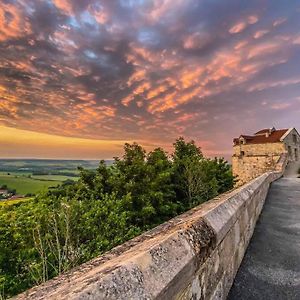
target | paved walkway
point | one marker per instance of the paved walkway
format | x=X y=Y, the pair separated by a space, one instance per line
x=271 y=266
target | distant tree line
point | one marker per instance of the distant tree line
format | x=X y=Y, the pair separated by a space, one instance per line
x=77 y=221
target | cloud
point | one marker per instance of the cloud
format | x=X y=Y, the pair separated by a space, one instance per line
x=279 y=21
x=116 y=70
x=252 y=19
x=242 y=25
x=237 y=28
x=260 y=33
x=280 y=106
x=13 y=24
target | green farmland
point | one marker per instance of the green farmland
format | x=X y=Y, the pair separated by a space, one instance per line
x=26 y=185
x=31 y=176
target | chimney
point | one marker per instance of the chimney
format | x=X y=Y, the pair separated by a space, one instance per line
x=268 y=133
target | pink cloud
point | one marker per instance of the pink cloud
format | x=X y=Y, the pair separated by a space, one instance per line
x=241 y=26
x=260 y=33
x=272 y=84
x=196 y=40
x=264 y=49
x=279 y=21
x=237 y=28
x=280 y=106
x=252 y=19
x=296 y=40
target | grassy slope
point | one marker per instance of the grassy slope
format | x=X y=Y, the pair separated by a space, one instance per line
x=25 y=185
x=53 y=177
x=19 y=171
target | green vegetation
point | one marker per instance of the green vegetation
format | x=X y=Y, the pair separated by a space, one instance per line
x=59 y=178
x=27 y=185
x=45 y=166
x=77 y=221
x=15 y=201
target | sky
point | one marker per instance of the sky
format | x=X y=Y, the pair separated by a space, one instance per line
x=79 y=78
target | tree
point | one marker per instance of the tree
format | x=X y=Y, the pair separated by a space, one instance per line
x=186 y=163
x=76 y=221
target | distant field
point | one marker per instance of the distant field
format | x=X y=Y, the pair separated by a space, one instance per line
x=25 y=185
x=31 y=176
x=53 y=177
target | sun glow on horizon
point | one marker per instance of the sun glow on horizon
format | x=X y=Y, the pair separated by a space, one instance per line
x=20 y=143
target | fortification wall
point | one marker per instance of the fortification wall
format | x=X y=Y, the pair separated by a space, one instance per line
x=260 y=149
x=251 y=160
x=248 y=167
x=193 y=256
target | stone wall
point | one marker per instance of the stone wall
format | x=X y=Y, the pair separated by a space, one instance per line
x=294 y=152
x=248 y=167
x=259 y=149
x=252 y=160
x=193 y=256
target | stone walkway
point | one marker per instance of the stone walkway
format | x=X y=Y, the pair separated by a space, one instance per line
x=271 y=266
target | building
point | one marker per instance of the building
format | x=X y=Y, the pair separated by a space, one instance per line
x=256 y=154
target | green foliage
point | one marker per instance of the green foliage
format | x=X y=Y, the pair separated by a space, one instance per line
x=77 y=221
x=25 y=185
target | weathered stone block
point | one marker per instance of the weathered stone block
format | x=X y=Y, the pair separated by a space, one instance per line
x=193 y=256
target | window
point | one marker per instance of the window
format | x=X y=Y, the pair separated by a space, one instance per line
x=242 y=153
x=295 y=138
x=290 y=151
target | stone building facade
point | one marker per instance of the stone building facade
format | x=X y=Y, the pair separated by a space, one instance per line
x=256 y=154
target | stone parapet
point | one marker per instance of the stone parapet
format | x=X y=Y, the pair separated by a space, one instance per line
x=193 y=256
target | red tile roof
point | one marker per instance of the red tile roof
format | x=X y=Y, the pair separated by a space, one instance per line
x=263 y=131
x=260 y=138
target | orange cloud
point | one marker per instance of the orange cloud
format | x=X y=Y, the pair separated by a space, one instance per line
x=263 y=49
x=157 y=91
x=101 y=15
x=15 y=26
x=191 y=76
x=63 y=5
x=138 y=75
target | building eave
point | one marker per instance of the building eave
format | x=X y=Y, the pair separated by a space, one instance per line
x=287 y=133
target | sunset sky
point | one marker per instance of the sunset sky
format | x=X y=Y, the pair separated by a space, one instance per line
x=79 y=78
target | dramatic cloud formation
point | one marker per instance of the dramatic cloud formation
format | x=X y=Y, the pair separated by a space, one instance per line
x=149 y=70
